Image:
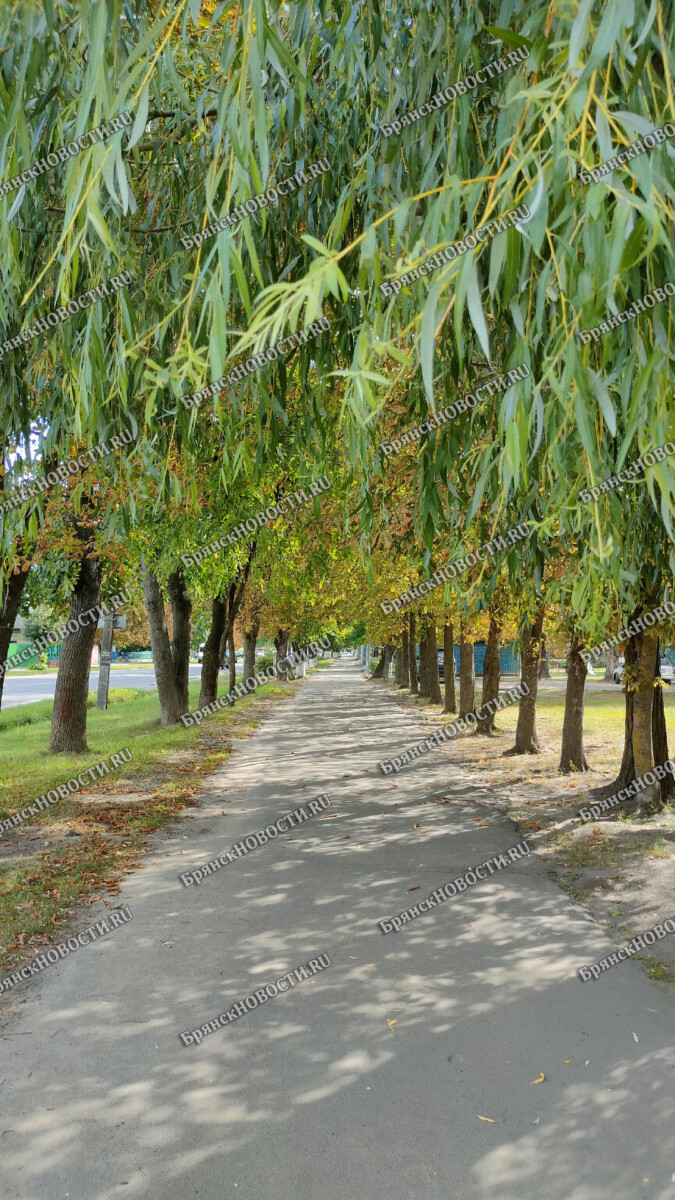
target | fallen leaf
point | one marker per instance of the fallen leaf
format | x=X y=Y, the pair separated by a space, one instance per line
x=369 y=964
x=539 y=1080
x=416 y=825
x=567 y=1060
x=487 y=1119
x=168 y=943
x=537 y=1121
x=416 y=888
x=635 y=1036
x=345 y=835
x=288 y=839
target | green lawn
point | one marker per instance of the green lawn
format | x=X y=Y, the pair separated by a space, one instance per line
x=44 y=872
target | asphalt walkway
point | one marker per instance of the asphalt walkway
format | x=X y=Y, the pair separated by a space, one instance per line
x=368 y=1081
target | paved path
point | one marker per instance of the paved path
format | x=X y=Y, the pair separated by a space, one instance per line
x=314 y=1096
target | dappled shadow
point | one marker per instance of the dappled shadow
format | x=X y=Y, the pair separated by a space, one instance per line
x=315 y=1094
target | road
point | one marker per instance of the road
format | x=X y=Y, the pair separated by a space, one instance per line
x=26 y=689
x=367 y=1081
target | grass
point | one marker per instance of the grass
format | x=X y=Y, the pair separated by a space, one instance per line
x=602 y=851
x=48 y=872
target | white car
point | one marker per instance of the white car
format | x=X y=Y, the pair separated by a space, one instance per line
x=666 y=671
x=200 y=652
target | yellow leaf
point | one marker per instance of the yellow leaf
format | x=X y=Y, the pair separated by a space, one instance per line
x=539 y=1080
x=487 y=1119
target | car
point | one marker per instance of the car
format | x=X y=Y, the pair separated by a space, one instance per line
x=200 y=652
x=666 y=670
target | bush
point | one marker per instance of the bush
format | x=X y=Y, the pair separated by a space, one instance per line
x=40 y=664
x=267 y=660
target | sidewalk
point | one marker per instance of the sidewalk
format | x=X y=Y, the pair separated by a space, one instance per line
x=366 y=1082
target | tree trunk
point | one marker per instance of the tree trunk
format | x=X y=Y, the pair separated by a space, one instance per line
x=11 y=598
x=527 y=738
x=412 y=661
x=250 y=639
x=543 y=671
x=627 y=769
x=572 y=757
x=405 y=659
x=490 y=675
x=212 y=650
x=224 y=611
x=432 y=660
x=170 y=704
x=399 y=661
x=281 y=647
x=449 y=667
x=612 y=659
x=643 y=701
x=230 y=653
x=424 y=659
x=69 y=715
x=467 y=675
x=382 y=669
x=181 y=614
x=660 y=737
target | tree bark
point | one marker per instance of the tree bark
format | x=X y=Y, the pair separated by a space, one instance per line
x=398 y=676
x=627 y=769
x=281 y=647
x=171 y=705
x=181 y=614
x=424 y=659
x=467 y=675
x=69 y=715
x=224 y=612
x=643 y=701
x=432 y=665
x=543 y=671
x=230 y=653
x=250 y=639
x=382 y=669
x=490 y=675
x=405 y=659
x=527 y=738
x=660 y=736
x=612 y=659
x=208 y=690
x=449 y=667
x=11 y=598
x=572 y=757
x=412 y=661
